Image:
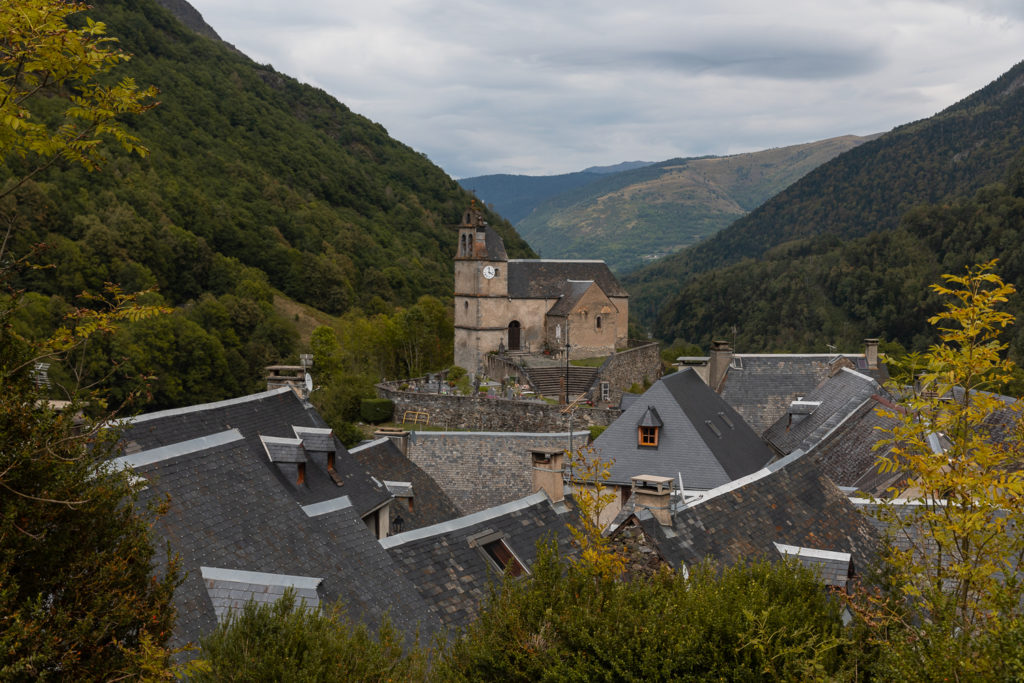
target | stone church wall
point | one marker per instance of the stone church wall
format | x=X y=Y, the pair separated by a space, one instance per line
x=490 y=414
x=478 y=470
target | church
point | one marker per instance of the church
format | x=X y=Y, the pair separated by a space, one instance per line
x=532 y=306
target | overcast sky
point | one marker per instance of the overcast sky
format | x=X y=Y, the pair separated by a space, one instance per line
x=542 y=87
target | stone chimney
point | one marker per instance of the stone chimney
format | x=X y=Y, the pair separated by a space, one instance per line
x=398 y=436
x=547 y=473
x=871 y=353
x=718 y=364
x=655 y=494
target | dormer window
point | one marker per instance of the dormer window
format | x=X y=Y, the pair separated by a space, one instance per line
x=648 y=436
x=649 y=428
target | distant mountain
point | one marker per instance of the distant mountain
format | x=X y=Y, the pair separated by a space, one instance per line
x=848 y=250
x=636 y=216
x=515 y=196
x=615 y=168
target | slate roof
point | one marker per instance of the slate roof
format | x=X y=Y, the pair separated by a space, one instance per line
x=761 y=387
x=703 y=437
x=431 y=505
x=453 y=576
x=494 y=244
x=545 y=278
x=572 y=292
x=847 y=455
x=230 y=510
x=272 y=413
x=824 y=409
x=788 y=502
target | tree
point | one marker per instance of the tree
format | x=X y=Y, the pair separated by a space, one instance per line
x=78 y=595
x=752 y=621
x=289 y=642
x=588 y=474
x=951 y=586
x=44 y=61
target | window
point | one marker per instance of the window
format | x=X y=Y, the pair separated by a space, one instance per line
x=598 y=319
x=648 y=436
x=492 y=546
x=605 y=391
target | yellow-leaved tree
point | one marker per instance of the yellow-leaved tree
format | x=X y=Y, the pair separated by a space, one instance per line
x=83 y=593
x=53 y=102
x=950 y=604
x=588 y=474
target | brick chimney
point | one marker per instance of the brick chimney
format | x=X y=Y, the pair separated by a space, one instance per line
x=871 y=353
x=655 y=494
x=547 y=473
x=718 y=364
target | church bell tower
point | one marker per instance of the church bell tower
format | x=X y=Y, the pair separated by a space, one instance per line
x=481 y=290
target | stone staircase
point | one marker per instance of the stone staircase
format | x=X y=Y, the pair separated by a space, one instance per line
x=547 y=381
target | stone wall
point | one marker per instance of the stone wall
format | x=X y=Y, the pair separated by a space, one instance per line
x=492 y=414
x=625 y=367
x=479 y=470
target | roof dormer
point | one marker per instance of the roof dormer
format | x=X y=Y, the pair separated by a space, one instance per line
x=648 y=429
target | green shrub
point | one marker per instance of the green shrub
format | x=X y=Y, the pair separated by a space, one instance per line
x=374 y=410
x=455 y=373
x=282 y=642
x=596 y=431
x=749 y=622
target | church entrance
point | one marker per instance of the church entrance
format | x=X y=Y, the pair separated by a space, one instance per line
x=513 y=335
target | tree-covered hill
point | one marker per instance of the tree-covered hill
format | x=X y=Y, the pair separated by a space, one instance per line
x=869 y=189
x=806 y=294
x=254 y=181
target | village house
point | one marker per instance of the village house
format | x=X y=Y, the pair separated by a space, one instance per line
x=681 y=429
x=762 y=386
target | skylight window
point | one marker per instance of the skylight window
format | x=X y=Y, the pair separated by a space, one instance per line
x=492 y=545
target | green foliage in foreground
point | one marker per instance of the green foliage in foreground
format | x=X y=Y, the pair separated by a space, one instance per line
x=285 y=642
x=753 y=621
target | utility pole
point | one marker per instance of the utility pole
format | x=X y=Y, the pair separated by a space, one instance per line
x=568 y=407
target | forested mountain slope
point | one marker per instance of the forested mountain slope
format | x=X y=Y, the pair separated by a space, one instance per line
x=635 y=216
x=825 y=290
x=952 y=154
x=254 y=181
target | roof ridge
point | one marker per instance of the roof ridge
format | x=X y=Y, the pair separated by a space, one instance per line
x=171 y=412
x=466 y=521
x=175 y=450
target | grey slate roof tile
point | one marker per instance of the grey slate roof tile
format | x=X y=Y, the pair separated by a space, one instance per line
x=430 y=504
x=455 y=577
x=686 y=443
x=789 y=502
x=572 y=292
x=228 y=510
x=546 y=279
x=272 y=413
x=837 y=398
x=761 y=386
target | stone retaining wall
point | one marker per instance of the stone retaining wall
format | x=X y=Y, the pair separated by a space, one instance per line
x=492 y=414
x=623 y=368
